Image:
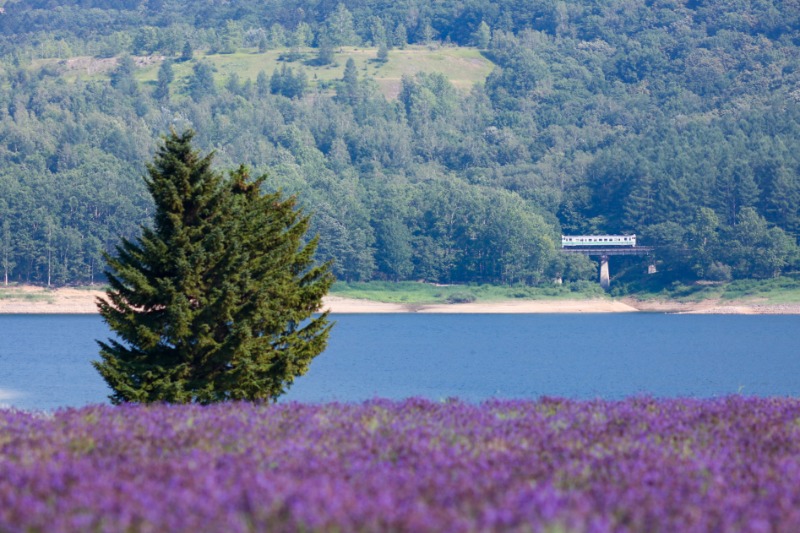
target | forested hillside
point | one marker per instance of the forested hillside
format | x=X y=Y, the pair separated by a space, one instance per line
x=675 y=120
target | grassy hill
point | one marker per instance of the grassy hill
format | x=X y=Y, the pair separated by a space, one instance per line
x=463 y=66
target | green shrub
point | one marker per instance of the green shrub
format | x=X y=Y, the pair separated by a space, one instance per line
x=461 y=298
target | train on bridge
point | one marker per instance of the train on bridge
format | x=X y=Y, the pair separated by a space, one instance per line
x=580 y=241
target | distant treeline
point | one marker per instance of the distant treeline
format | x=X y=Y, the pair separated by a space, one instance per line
x=676 y=120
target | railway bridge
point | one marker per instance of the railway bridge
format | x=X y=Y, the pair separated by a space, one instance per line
x=599 y=248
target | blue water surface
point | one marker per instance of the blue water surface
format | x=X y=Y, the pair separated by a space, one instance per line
x=45 y=359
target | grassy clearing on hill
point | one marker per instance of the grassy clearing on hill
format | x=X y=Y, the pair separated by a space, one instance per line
x=410 y=292
x=463 y=66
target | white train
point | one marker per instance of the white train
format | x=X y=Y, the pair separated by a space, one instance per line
x=568 y=241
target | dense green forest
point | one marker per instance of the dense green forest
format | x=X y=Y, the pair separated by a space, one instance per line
x=677 y=120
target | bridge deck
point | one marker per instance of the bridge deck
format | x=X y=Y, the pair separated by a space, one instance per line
x=637 y=250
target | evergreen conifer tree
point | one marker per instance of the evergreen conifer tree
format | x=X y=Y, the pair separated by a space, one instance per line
x=325 y=53
x=483 y=36
x=201 y=82
x=166 y=75
x=383 y=53
x=187 y=53
x=122 y=78
x=347 y=91
x=400 y=36
x=262 y=84
x=216 y=301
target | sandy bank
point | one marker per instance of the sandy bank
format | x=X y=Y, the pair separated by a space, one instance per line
x=36 y=300
x=713 y=307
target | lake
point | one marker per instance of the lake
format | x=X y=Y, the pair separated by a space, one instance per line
x=45 y=359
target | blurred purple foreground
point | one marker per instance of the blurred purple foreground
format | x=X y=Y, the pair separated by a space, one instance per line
x=639 y=465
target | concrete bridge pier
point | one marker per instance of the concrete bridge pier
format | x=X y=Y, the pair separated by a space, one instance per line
x=604 y=253
x=605 y=280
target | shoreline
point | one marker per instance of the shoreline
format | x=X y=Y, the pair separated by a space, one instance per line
x=37 y=300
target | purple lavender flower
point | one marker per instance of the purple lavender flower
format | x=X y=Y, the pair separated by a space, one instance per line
x=729 y=464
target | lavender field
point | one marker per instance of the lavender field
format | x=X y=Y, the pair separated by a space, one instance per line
x=643 y=465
